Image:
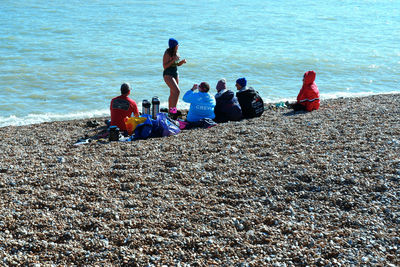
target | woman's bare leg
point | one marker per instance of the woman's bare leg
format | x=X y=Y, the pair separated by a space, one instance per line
x=174 y=91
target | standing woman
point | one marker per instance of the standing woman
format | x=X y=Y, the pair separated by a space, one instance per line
x=170 y=63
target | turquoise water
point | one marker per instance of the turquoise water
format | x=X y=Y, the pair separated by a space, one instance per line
x=63 y=60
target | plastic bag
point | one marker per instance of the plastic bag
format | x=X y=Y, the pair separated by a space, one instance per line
x=144 y=129
x=132 y=123
x=167 y=125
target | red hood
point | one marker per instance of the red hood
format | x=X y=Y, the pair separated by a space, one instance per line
x=309 y=77
x=309 y=93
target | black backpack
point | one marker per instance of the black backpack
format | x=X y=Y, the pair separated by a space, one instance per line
x=251 y=103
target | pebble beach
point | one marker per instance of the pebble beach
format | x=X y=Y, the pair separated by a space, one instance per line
x=285 y=189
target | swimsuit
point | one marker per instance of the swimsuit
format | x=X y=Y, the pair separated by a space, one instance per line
x=172 y=70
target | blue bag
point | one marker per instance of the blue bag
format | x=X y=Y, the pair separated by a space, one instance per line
x=167 y=125
x=157 y=129
x=143 y=130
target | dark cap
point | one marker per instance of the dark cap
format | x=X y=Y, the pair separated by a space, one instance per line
x=172 y=43
x=242 y=82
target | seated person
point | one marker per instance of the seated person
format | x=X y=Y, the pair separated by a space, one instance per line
x=227 y=107
x=202 y=103
x=121 y=107
x=250 y=101
x=308 y=97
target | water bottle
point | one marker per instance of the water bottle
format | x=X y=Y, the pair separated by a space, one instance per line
x=156 y=106
x=146 y=107
x=114 y=133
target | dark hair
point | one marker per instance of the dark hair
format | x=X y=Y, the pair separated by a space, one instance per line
x=171 y=52
x=125 y=88
x=204 y=86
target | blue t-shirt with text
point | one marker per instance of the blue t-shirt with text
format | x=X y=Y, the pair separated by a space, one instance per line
x=201 y=105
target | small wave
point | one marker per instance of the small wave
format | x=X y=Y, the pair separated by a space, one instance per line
x=37 y=96
x=74 y=97
x=48 y=117
x=10 y=90
x=329 y=18
x=373 y=66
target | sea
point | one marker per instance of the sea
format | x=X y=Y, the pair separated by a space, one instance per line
x=63 y=60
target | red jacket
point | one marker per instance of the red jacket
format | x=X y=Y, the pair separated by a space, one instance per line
x=122 y=106
x=309 y=94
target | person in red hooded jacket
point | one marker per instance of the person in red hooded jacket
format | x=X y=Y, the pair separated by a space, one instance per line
x=308 y=97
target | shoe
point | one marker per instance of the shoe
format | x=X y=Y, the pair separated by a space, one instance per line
x=173 y=116
x=182 y=124
x=174 y=113
x=289 y=105
x=93 y=123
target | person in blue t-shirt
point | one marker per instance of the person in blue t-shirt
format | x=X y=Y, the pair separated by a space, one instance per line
x=202 y=103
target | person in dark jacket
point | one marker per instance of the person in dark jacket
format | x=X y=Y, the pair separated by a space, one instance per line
x=250 y=101
x=227 y=105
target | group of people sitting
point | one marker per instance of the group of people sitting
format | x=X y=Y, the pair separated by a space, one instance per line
x=223 y=107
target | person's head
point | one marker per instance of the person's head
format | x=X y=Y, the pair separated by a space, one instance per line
x=204 y=87
x=172 y=46
x=309 y=77
x=241 y=83
x=125 y=89
x=221 y=85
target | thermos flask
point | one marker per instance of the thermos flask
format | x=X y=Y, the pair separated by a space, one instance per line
x=114 y=133
x=155 y=107
x=146 y=107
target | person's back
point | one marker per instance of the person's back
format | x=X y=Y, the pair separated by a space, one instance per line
x=308 y=96
x=227 y=106
x=121 y=107
x=201 y=103
x=250 y=101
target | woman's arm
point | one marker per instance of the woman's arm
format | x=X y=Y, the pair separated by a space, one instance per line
x=183 y=61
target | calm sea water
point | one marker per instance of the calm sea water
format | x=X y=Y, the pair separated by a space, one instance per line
x=63 y=60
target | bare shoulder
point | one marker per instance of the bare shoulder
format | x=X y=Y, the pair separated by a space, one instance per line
x=166 y=53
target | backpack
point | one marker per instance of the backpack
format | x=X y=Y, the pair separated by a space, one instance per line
x=258 y=105
x=251 y=103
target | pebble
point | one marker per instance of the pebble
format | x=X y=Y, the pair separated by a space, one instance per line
x=365 y=259
x=310 y=189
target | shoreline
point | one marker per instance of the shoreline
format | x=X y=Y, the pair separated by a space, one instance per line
x=315 y=188
x=47 y=117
